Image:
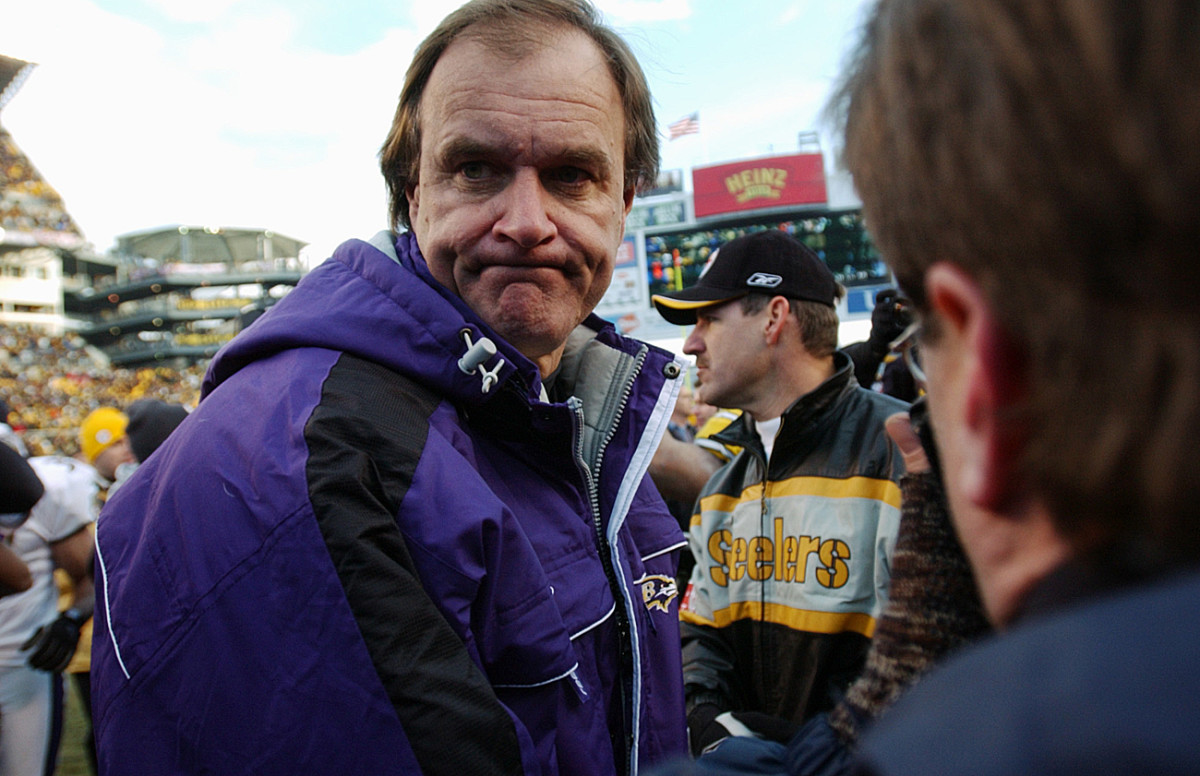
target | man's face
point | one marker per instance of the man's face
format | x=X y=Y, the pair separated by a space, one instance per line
x=730 y=355
x=520 y=202
x=114 y=455
x=945 y=359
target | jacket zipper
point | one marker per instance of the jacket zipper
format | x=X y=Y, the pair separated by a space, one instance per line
x=763 y=521
x=605 y=548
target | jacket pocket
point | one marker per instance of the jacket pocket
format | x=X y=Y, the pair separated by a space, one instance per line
x=531 y=643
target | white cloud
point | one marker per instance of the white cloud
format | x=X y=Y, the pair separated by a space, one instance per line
x=235 y=126
x=645 y=11
x=192 y=11
x=427 y=14
x=49 y=32
x=790 y=14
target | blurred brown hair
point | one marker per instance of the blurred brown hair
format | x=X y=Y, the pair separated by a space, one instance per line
x=1051 y=150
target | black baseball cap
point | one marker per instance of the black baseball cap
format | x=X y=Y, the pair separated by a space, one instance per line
x=768 y=262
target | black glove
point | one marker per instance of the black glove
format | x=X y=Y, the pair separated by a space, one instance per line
x=889 y=319
x=703 y=728
x=55 y=642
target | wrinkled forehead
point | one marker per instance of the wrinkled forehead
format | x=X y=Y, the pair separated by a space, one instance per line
x=558 y=103
x=511 y=41
x=514 y=39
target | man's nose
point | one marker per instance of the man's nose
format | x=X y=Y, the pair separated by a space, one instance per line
x=694 y=344
x=524 y=216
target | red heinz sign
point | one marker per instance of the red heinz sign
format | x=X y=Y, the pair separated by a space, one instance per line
x=797 y=179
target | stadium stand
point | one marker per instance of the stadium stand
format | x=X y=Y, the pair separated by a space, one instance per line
x=169 y=296
x=28 y=204
x=41 y=246
x=51 y=383
x=178 y=291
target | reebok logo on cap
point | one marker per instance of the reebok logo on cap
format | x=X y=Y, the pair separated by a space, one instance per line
x=763 y=280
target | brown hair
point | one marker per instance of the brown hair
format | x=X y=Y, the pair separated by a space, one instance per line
x=818 y=322
x=1050 y=149
x=512 y=28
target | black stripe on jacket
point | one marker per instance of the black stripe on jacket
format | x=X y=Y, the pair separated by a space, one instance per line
x=365 y=439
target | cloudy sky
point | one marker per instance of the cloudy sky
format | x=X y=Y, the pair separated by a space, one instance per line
x=270 y=113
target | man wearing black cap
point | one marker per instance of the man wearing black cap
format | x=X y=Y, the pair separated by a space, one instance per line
x=151 y=421
x=793 y=537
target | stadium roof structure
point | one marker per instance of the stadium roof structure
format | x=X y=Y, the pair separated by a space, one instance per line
x=13 y=73
x=204 y=245
x=31 y=212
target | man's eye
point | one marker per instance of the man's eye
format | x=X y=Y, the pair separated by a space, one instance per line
x=570 y=175
x=474 y=170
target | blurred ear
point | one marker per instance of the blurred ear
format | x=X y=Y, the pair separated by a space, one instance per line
x=989 y=377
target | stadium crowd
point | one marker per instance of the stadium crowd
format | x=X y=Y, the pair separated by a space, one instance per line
x=28 y=203
x=51 y=383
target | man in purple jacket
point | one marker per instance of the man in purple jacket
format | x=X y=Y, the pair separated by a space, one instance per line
x=408 y=529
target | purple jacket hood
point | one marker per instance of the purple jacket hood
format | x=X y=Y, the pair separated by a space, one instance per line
x=414 y=328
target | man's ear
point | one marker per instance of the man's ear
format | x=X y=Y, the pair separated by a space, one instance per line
x=412 y=192
x=991 y=378
x=778 y=310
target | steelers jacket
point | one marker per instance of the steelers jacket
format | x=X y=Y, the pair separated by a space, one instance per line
x=792 y=559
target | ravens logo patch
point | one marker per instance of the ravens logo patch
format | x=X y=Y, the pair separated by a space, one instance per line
x=658 y=591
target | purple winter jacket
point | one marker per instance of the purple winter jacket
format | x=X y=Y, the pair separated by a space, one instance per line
x=362 y=554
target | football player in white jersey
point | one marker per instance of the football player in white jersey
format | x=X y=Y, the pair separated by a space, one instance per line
x=36 y=641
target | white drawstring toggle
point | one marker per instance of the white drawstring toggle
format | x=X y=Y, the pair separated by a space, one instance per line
x=477 y=354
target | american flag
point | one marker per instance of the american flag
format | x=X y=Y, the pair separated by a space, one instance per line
x=688 y=125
